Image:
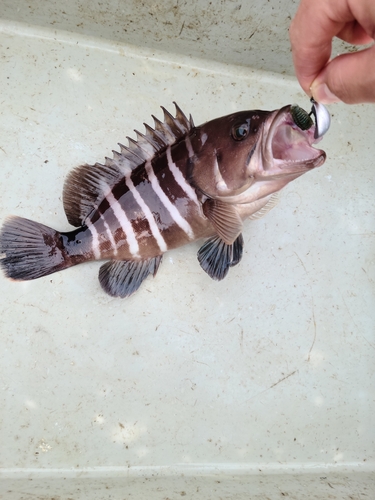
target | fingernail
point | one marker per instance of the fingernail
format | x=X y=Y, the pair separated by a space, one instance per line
x=321 y=93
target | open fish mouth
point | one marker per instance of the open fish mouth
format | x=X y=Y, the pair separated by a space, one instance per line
x=290 y=141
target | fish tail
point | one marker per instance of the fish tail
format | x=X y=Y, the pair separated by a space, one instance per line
x=29 y=250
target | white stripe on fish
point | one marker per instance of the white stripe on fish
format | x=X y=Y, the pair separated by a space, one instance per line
x=189 y=146
x=124 y=223
x=148 y=214
x=173 y=210
x=180 y=179
x=95 y=239
x=109 y=234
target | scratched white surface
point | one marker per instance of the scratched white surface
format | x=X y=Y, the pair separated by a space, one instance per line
x=189 y=383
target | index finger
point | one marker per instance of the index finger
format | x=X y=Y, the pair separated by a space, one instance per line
x=311 y=33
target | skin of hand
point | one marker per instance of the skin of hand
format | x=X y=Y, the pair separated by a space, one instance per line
x=348 y=77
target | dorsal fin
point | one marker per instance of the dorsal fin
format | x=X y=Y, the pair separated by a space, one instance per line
x=85 y=185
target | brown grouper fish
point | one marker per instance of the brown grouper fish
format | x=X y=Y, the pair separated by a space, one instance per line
x=174 y=184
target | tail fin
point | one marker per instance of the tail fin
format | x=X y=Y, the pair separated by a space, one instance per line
x=29 y=250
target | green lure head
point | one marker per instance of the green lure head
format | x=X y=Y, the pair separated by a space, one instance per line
x=301 y=118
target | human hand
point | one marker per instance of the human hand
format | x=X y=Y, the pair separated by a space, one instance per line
x=348 y=77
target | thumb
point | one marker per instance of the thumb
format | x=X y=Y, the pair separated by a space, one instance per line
x=348 y=77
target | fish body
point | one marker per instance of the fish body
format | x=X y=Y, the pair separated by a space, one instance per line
x=175 y=184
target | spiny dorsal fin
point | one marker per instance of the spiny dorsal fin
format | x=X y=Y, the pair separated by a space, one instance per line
x=85 y=185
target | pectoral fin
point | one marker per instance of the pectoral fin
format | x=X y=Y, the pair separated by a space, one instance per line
x=224 y=218
x=216 y=257
x=121 y=278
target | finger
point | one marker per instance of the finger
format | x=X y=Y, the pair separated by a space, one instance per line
x=311 y=34
x=316 y=23
x=348 y=77
x=355 y=34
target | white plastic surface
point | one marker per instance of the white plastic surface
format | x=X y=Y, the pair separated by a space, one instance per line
x=251 y=33
x=262 y=384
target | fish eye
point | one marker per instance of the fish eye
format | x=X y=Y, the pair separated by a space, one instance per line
x=239 y=132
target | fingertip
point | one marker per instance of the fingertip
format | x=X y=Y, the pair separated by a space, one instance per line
x=321 y=93
x=348 y=78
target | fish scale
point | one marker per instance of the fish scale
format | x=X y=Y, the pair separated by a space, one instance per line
x=174 y=184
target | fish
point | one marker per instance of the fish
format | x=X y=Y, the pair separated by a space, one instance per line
x=174 y=184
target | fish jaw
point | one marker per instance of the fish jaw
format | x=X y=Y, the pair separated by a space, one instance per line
x=286 y=150
x=283 y=152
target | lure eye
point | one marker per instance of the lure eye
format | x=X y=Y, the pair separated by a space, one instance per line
x=239 y=132
x=301 y=118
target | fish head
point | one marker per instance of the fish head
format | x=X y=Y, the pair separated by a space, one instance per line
x=248 y=155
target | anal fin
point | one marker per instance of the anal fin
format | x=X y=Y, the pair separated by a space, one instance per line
x=121 y=278
x=216 y=257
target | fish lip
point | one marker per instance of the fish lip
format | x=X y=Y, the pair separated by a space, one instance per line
x=314 y=157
